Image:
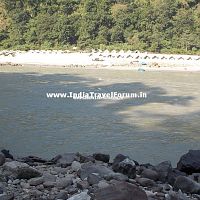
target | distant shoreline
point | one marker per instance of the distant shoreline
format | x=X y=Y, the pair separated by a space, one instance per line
x=100 y=60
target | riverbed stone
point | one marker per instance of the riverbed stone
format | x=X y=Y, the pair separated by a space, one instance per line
x=76 y=166
x=7 y=153
x=21 y=170
x=190 y=162
x=65 y=160
x=93 y=179
x=145 y=182
x=2 y=159
x=163 y=169
x=126 y=167
x=93 y=168
x=102 y=157
x=36 y=181
x=120 y=191
x=149 y=173
x=64 y=182
x=81 y=196
x=187 y=185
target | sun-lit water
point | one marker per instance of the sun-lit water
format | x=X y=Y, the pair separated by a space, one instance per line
x=161 y=127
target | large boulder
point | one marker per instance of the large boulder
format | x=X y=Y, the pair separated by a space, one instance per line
x=20 y=170
x=172 y=175
x=102 y=157
x=163 y=169
x=88 y=169
x=65 y=160
x=187 y=185
x=120 y=191
x=124 y=165
x=190 y=162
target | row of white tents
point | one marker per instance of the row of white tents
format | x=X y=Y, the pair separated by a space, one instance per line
x=138 y=55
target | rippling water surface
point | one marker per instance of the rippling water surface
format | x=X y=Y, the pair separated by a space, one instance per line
x=161 y=127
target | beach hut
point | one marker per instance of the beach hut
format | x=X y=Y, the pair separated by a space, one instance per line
x=146 y=57
x=181 y=58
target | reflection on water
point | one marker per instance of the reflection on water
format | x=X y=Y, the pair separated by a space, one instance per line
x=161 y=127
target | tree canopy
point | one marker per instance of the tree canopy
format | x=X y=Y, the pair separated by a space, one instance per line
x=151 y=25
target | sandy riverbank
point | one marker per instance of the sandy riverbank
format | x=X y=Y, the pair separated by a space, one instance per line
x=97 y=60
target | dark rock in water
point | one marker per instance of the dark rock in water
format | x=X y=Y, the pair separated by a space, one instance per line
x=31 y=160
x=21 y=170
x=124 y=166
x=120 y=191
x=190 y=162
x=172 y=175
x=163 y=169
x=102 y=157
x=65 y=160
x=88 y=169
x=94 y=179
x=187 y=185
x=2 y=159
x=7 y=153
x=149 y=173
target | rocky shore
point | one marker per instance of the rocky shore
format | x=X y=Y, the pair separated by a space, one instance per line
x=77 y=176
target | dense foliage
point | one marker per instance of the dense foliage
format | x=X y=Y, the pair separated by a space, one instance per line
x=150 y=25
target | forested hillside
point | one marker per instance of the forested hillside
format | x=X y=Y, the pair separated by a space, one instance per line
x=150 y=25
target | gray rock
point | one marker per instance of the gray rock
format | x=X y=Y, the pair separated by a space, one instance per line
x=163 y=169
x=64 y=182
x=149 y=173
x=187 y=185
x=1 y=190
x=62 y=195
x=176 y=196
x=21 y=170
x=84 y=158
x=93 y=179
x=126 y=167
x=72 y=190
x=36 y=181
x=145 y=182
x=93 y=168
x=102 y=184
x=81 y=196
x=120 y=191
x=47 y=177
x=82 y=185
x=190 y=162
x=116 y=176
x=102 y=157
x=195 y=177
x=65 y=160
x=76 y=166
x=49 y=184
x=172 y=175
x=2 y=159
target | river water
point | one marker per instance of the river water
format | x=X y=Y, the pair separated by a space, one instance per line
x=161 y=127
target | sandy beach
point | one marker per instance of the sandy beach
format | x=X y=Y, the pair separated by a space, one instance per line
x=101 y=60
